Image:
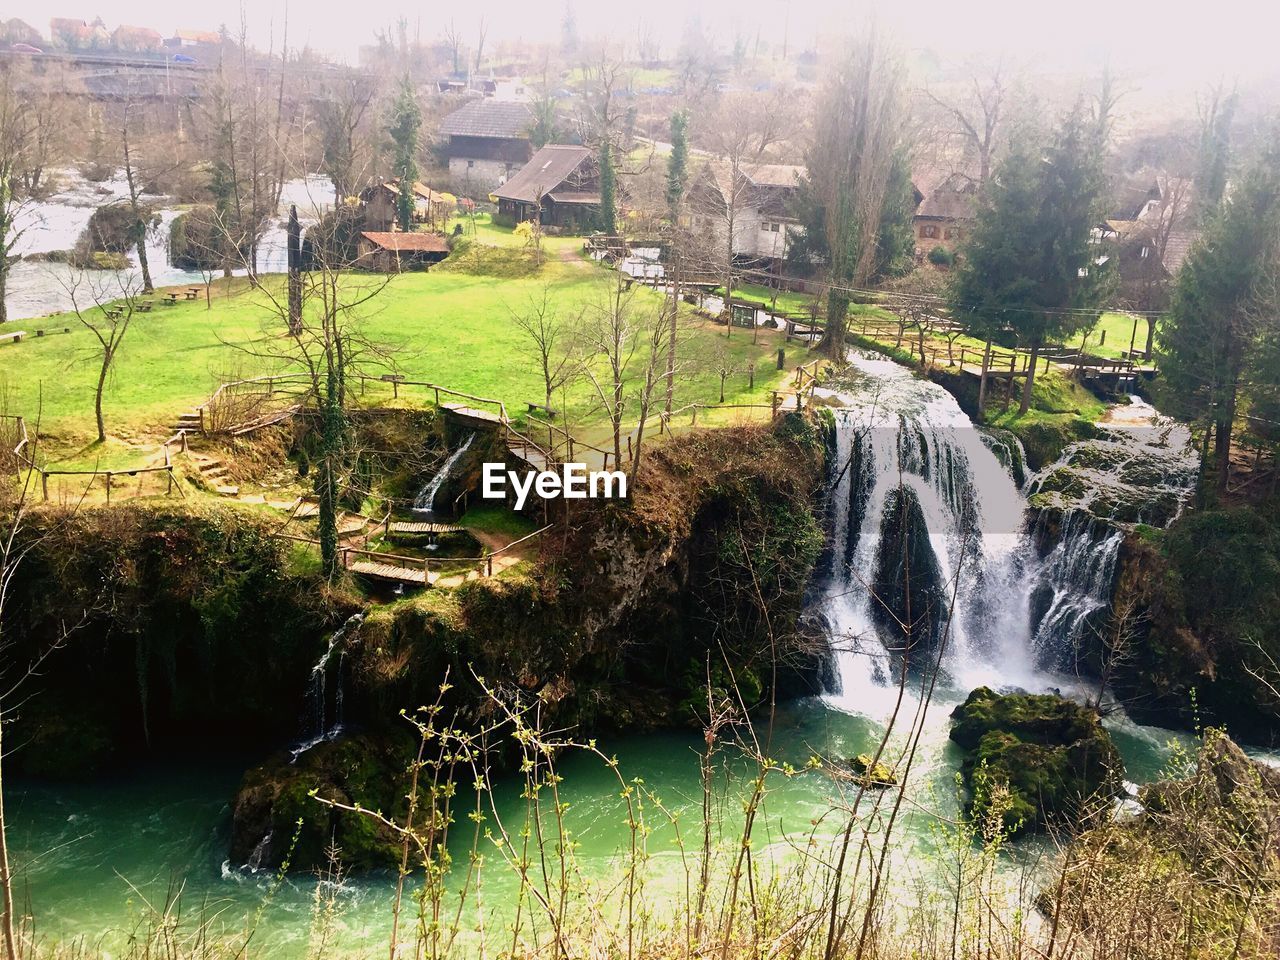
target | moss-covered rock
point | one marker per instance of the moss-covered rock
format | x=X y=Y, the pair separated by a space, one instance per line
x=871 y=772
x=279 y=815
x=1053 y=755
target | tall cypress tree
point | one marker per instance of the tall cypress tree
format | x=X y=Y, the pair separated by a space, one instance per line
x=678 y=164
x=608 y=189
x=406 y=121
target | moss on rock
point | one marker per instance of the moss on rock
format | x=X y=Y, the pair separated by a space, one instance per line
x=1053 y=755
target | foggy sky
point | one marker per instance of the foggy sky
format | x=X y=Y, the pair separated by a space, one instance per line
x=1178 y=40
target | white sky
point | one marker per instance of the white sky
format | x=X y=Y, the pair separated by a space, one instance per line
x=1190 y=39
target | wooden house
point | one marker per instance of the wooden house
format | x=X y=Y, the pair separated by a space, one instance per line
x=559 y=187
x=380 y=204
x=487 y=142
x=400 y=252
x=945 y=212
x=763 y=199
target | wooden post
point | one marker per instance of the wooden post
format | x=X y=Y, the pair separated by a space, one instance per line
x=44 y=483
x=694 y=421
x=751 y=376
x=108 y=486
x=782 y=357
x=773 y=406
x=982 y=381
x=202 y=428
x=169 y=491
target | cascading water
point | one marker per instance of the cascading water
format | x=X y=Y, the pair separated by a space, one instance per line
x=425 y=502
x=318 y=724
x=923 y=507
x=1140 y=469
x=910 y=467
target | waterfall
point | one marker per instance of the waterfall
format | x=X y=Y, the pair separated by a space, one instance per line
x=426 y=500
x=1072 y=590
x=317 y=724
x=909 y=467
x=923 y=506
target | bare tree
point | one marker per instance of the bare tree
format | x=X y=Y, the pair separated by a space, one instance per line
x=739 y=132
x=19 y=161
x=859 y=130
x=977 y=114
x=550 y=336
x=481 y=32
x=105 y=308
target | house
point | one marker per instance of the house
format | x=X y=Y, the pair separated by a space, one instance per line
x=400 y=252
x=381 y=201
x=559 y=187
x=944 y=213
x=763 y=200
x=70 y=34
x=193 y=38
x=488 y=140
x=19 y=31
x=136 y=40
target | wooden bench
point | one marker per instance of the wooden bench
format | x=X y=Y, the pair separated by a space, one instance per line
x=549 y=411
x=145 y=306
x=14 y=337
x=193 y=293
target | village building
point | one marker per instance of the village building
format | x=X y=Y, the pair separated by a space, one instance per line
x=128 y=39
x=559 y=187
x=1151 y=233
x=763 y=215
x=187 y=39
x=380 y=205
x=19 y=31
x=400 y=252
x=70 y=33
x=488 y=141
x=944 y=213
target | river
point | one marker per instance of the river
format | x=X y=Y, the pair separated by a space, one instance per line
x=37 y=288
x=87 y=855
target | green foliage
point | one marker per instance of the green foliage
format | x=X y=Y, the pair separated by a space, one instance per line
x=197 y=240
x=895 y=243
x=940 y=256
x=1030 y=259
x=608 y=189
x=1053 y=755
x=678 y=162
x=403 y=127
x=1218 y=324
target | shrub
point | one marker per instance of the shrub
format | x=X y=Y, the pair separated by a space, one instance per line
x=940 y=256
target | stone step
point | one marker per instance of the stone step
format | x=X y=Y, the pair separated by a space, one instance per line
x=226 y=491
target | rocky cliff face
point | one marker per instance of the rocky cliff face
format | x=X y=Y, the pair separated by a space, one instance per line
x=611 y=629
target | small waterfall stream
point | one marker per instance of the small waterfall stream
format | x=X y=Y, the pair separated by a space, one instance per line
x=319 y=725
x=425 y=502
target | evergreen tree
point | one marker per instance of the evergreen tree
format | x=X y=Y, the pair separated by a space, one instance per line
x=678 y=163
x=896 y=243
x=608 y=190
x=1217 y=329
x=1032 y=263
x=406 y=121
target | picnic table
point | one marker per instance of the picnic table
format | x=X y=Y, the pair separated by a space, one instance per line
x=172 y=296
x=193 y=293
x=113 y=313
x=549 y=411
x=145 y=306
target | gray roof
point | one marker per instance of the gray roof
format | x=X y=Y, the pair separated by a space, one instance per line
x=501 y=119
x=550 y=167
x=955 y=198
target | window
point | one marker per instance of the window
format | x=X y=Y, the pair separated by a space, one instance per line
x=470 y=164
x=946 y=234
x=773 y=227
x=764 y=225
x=929 y=231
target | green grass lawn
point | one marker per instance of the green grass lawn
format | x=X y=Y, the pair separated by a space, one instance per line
x=450 y=328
